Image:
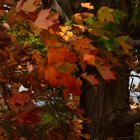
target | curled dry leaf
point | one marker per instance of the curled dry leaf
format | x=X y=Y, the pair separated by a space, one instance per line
x=87 y=5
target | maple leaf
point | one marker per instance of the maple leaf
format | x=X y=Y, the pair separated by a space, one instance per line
x=106 y=72
x=90 y=78
x=90 y=59
x=74 y=89
x=46 y=19
x=60 y=56
x=84 y=43
x=53 y=76
x=101 y=65
x=87 y=5
x=19 y=98
x=105 y=14
x=27 y=6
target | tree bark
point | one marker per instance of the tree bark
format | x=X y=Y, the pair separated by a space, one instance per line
x=107 y=105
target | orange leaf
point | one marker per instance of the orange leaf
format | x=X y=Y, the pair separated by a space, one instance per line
x=60 y=56
x=101 y=65
x=90 y=78
x=52 y=75
x=46 y=19
x=50 y=40
x=83 y=43
x=90 y=59
x=106 y=72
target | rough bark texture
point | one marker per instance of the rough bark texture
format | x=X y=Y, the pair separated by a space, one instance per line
x=107 y=106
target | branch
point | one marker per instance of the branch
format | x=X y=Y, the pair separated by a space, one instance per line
x=134 y=43
x=137 y=76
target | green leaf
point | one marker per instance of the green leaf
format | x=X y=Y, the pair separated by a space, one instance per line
x=105 y=42
x=118 y=14
x=89 y=21
x=68 y=23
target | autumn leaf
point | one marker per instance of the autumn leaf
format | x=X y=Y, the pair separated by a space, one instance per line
x=50 y=40
x=78 y=19
x=127 y=48
x=60 y=56
x=106 y=72
x=27 y=6
x=87 y=5
x=101 y=65
x=90 y=78
x=57 y=78
x=19 y=98
x=90 y=59
x=84 y=43
x=46 y=19
x=105 y=14
x=29 y=117
x=37 y=58
x=67 y=68
x=66 y=32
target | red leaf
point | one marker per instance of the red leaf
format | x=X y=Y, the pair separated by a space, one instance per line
x=90 y=78
x=46 y=19
x=19 y=98
x=74 y=90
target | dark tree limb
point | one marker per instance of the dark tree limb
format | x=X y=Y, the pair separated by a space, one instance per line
x=134 y=43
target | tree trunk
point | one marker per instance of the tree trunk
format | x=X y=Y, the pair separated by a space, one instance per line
x=107 y=105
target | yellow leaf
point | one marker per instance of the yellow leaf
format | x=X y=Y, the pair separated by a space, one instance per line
x=78 y=120
x=126 y=47
x=66 y=34
x=105 y=14
x=87 y=5
x=86 y=136
x=79 y=126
